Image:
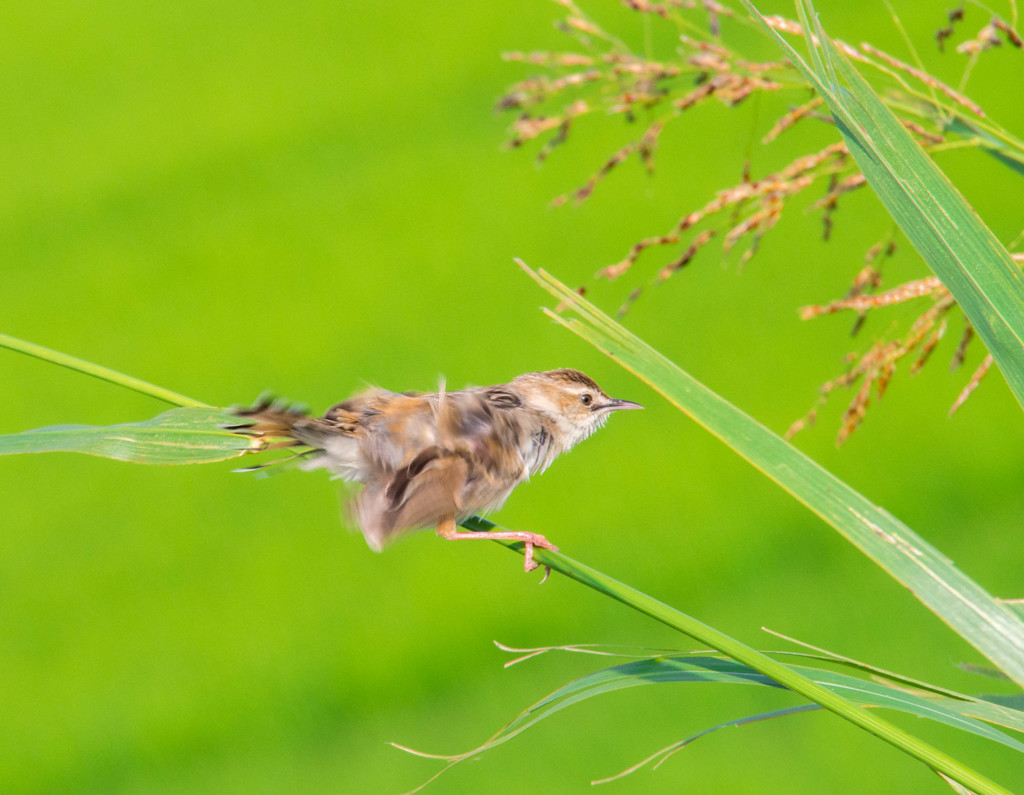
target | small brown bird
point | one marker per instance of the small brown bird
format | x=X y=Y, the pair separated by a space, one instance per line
x=437 y=459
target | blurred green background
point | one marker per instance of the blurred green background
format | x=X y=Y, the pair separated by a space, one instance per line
x=227 y=197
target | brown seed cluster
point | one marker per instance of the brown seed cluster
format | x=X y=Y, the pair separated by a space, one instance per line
x=607 y=79
x=988 y=38
x=985 y=39
x=790 y=119
x=973 y=383
x=953 y=17
x=861 y=302
x=874 y=369
x=756 y=204
x=604 y=78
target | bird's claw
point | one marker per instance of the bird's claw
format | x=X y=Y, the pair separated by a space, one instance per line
x=532 y=540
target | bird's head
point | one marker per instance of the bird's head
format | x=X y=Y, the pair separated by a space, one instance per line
x=571 y=400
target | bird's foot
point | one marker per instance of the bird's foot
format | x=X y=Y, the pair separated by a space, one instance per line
x=531 y=540
x=534 y=540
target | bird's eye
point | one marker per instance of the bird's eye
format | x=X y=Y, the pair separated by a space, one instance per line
x=586 y=398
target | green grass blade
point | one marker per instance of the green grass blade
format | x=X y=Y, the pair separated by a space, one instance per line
x=957 y=245
x=758 y=661
x=980 y=619
x=1002 y=710
x=662 y=755
x=989 y=137
x=1017 y=606
x=712 y=669
x=817 y=655
x=692 y=669
x=190 y=435
x=1008 y=151
x=95 y=370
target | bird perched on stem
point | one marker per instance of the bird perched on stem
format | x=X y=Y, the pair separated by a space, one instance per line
x=436 y=459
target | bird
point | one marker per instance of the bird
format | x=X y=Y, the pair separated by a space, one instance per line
x=435 y=459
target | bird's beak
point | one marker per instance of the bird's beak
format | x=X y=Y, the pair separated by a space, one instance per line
x=615 y=404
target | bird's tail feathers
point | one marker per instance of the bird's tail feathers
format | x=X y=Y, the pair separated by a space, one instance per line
x=279 y=424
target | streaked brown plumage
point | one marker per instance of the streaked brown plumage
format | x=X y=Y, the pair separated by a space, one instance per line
x=436 y=459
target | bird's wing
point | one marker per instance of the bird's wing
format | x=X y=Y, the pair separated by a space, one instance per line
x=420 y=494
x=461 y=458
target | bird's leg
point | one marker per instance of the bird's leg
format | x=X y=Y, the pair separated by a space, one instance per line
x=446 y=528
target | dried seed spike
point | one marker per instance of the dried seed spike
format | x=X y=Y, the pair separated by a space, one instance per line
x=851 y=183
x=757 y=223
x=905 y=292
x=706 y=46
x=972 y=384
x=645 y=7
x=878 y=365
x=784 y=25
x=633 y=296
x=613 y=272
x=868 y=278
x=953 y=16
x=943 y=303
x=583 y=192
x=583 y=26
x=986 y=39
x=770 y=193
x=631 y=65
x=804 y=422
x=885 y=373
x=791 y=118
x=961 y=348
x=684 y=259
x=1012 y=36
x=545 y=58
x=924 y=77
x=802 y=165
x=763 y=66
x=928 y=348
x=528 y=127
x=648 y=144
x=711 y=62
x=855 y=412
x=929 y=137
x=698 y=94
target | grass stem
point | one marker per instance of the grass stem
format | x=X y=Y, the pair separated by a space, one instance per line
x=783 y=674
x=97 y=371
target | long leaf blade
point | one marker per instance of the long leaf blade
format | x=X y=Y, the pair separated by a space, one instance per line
x=979 y=618
x=714 y=670
x=180 y=436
